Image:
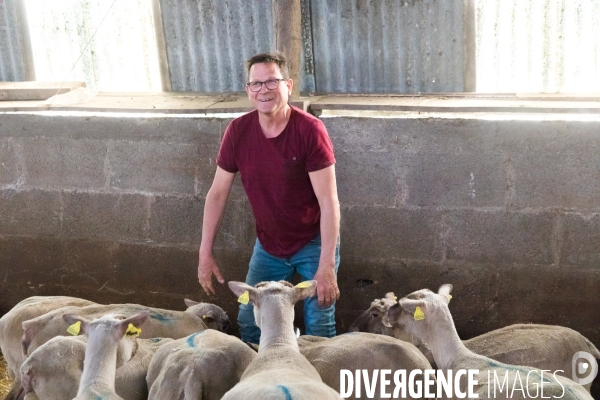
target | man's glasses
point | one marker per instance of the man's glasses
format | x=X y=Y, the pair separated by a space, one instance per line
x=271 y=84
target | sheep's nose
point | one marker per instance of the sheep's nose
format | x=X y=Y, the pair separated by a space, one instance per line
x=353 y=328
x=225 y=326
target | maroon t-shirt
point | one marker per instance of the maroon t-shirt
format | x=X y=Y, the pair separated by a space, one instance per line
x=274 y=173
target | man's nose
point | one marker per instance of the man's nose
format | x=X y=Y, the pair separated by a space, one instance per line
x=264 y=88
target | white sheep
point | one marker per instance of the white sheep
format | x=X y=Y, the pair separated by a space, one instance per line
x=204 y=365
x=212 y=315
x=548 y=347
x=161 y=323
x=279 y=371
x=360 y=351
x=104 y=336
x=11 y=331
x=426 y=315
x=53 y=370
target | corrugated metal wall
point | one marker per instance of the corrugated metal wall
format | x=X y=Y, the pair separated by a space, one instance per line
x=364 y=46
x=388 y=46
x=538 y=46
x=208 y=41
x=12 y=46
x=349 y=46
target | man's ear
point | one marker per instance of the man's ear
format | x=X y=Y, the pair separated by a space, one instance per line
x=239 y=288
x=305 y=289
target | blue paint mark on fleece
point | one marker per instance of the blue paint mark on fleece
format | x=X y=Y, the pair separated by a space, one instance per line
x=286 y=391
x=190 y=339
x=159 y=317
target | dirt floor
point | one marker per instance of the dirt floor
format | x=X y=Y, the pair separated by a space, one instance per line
x=5 y=382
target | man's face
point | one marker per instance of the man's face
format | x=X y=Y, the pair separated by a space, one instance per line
x=268 y=101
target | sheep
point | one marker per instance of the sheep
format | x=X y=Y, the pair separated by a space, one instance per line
x=99 y=367
x=370 y=320
x=548 y=347
x=426 y=315
x=185 y=368
x=213 y=316
x=162 y=323
x=359 y=351
x=11 y=332
x=53 y=370
x=279 y=371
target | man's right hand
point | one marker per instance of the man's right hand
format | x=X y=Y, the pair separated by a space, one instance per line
x=206 y=268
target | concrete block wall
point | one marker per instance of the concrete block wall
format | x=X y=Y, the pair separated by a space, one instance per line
x=507 y=210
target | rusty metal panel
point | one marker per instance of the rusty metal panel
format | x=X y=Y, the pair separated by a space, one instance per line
x=208 y=41
x=538 y=46
x=110 y=45
x=13 y=54
x=388 y=46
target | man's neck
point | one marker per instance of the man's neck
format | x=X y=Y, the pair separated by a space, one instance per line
x=273 y=124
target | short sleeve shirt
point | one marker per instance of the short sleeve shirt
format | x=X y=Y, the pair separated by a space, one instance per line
x=274 y=174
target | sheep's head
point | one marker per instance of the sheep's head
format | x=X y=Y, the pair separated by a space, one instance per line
x=211 y=314
x=414 y=312
x=111 y=328
x=371 y=319
x=282 y=293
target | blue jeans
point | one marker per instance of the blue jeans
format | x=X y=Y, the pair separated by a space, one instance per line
x=265 y=267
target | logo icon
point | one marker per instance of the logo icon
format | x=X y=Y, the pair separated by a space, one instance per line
x=585 y=365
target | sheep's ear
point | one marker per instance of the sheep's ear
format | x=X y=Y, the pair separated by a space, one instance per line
x=305 y=289
x=390 y=296
x=75 y=328
x=240 y=288
x=136 y=320
x=30 y=328
x=386 y=320
x=410 y=305
x=190 y=303
x=73 y=318
x=445 y=290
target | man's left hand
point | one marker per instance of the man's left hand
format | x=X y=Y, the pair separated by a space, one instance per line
x=327 y=288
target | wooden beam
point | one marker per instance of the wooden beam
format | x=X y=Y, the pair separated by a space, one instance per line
x=161 y=45
x=470 y=49
x=288 y=37
x=25 y=41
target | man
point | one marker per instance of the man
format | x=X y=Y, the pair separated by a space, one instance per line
x=286 y=162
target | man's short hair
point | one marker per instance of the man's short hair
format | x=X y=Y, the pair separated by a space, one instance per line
x=276 y=57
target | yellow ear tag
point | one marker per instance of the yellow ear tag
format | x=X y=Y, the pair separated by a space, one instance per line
x=419 y=314
x=244 y=298
x=449 y=298
x=75 y=328
x=133 y=331
x=395 y=297
x=204 y=317
x=302 y=285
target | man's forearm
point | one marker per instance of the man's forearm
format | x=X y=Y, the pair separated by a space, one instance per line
x=330 y=228
x=214 y=208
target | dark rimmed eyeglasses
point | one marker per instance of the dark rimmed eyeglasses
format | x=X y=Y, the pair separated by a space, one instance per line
x=271 y=84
